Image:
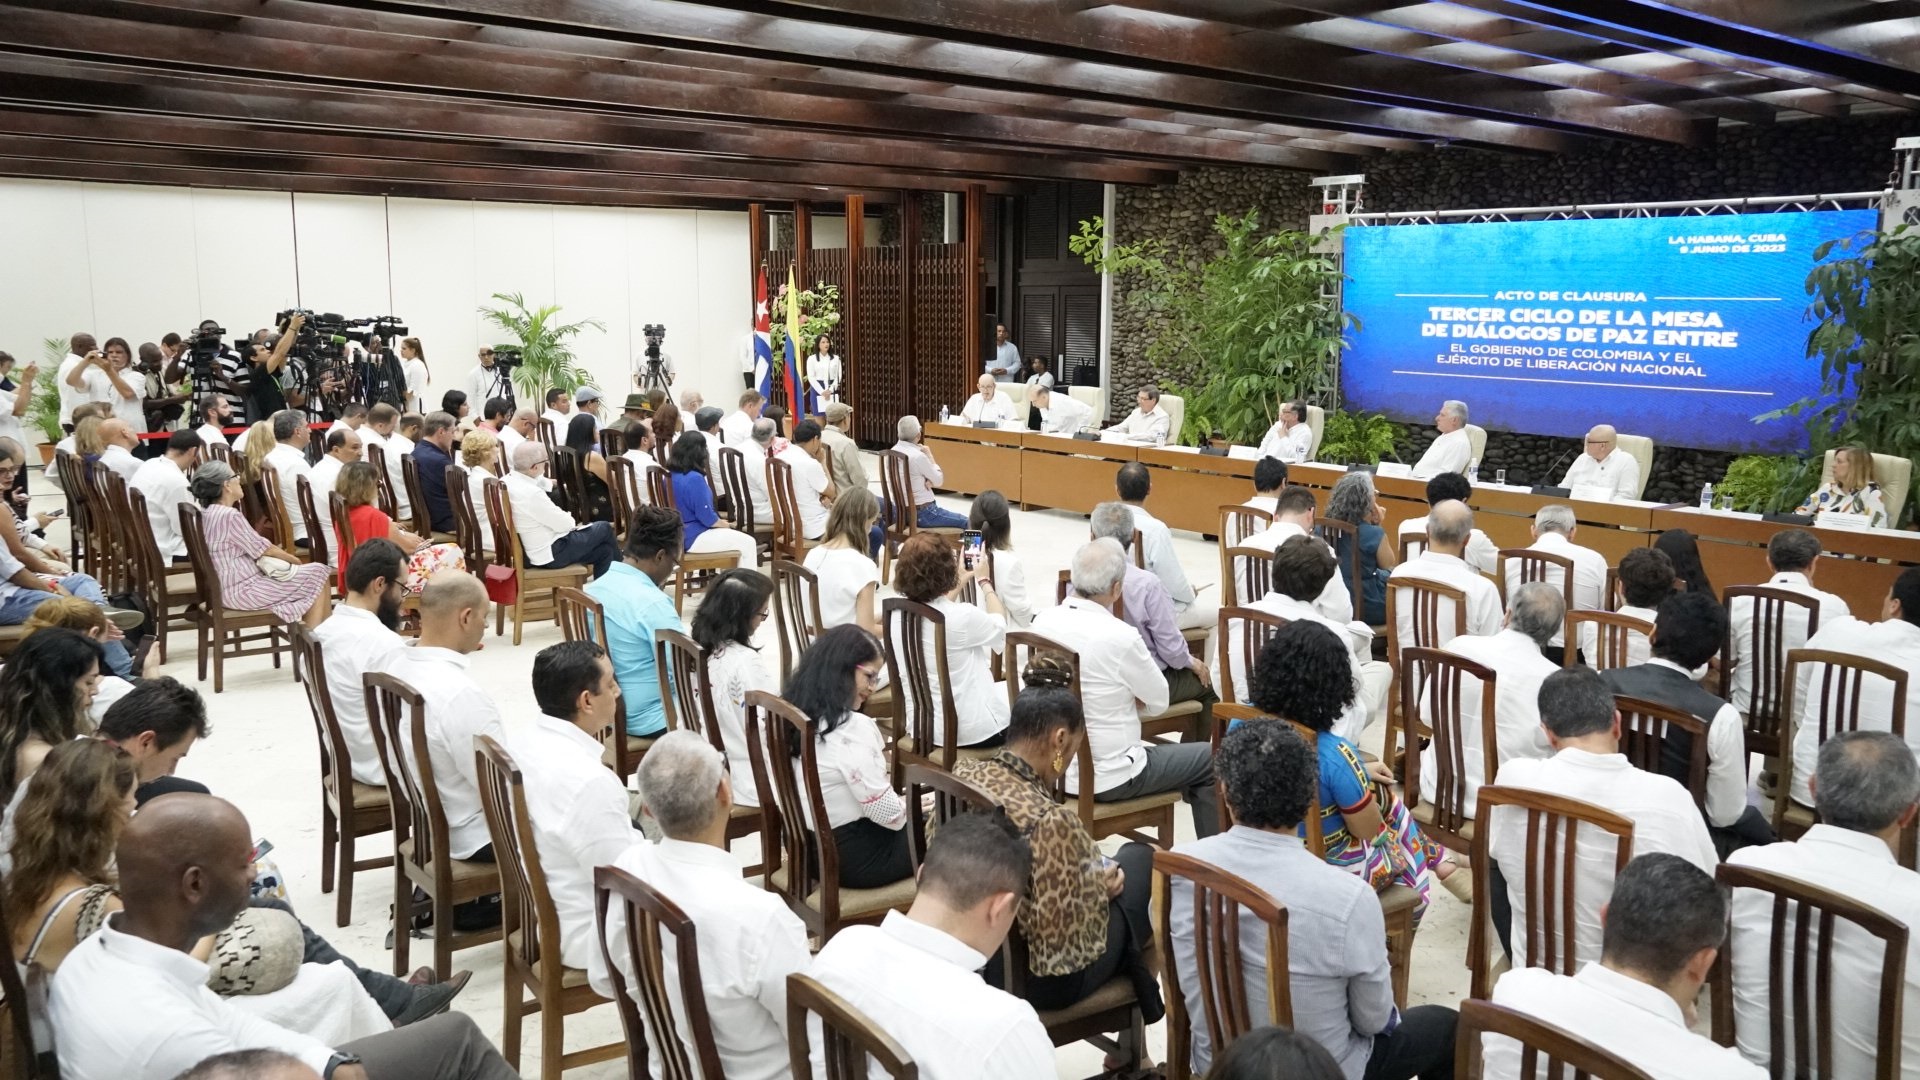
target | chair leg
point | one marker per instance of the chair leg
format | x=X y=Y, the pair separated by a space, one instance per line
x=343 y=904
x=329 y=836
x=1400 y=953
x=499 y=619
x=513 y=1016
x=519 y=613
x=200 y=631
x=402 y=918
x=553 y=1044
x=442 y=935
x=220 y=664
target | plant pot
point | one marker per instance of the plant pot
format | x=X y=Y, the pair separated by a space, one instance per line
x=46 y=453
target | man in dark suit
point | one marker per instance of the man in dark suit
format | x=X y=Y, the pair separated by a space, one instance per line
x=431 y=456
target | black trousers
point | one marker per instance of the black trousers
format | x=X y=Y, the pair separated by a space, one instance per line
x=1422 y=1046
x=593 y=545
x=871 y=855
x=1184 y=685
x=1129 y=930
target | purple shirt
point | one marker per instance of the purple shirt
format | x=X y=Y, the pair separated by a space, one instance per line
x=1150 y=611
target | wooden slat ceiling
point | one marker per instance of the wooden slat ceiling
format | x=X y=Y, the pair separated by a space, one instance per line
x=675 y=103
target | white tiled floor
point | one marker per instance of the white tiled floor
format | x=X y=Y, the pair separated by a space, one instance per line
x=262 y=757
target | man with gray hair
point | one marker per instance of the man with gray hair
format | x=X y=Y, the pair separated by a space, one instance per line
x=1150 y=611
x=1149 y=422
x=289 y=460
x=1514 y=657
x=1866 y=788
x=923 y=475
x=549 y=537
x=1453 y=450
x=1443 y=560
x=1553 y=532
x=1119 y=682
x=748 y=941
x=753 y=452
x=1794 y=556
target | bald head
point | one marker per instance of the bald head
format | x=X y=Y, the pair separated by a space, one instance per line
x=186 y=862
x=528 y=456
x=1448 y=526
x=1600 y=441
x=117 y=433
x=453 y=612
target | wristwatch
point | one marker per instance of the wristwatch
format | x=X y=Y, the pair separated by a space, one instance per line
x=338 y=1059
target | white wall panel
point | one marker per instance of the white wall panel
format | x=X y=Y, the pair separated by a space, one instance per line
x=45 y=287
x=341 y=254
x=590 y=281
x=243 y=258
x=434 y=284
x=139 y=253
x=663 y=257
x=726 y=306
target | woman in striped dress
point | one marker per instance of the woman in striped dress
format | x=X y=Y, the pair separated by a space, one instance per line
x=235 y=549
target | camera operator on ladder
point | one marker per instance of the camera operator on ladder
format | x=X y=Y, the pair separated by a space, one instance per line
x=823 y=373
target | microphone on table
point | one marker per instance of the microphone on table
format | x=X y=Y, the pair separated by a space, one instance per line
x=1547 y=481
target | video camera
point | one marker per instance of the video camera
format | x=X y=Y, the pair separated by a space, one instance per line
x=507 y=357
x=656 y=334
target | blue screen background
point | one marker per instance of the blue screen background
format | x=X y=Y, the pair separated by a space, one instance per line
x=1399 y=273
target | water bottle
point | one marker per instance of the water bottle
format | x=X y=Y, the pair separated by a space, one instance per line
x=1473 y=473
x=1706 y=496
x=943 y=414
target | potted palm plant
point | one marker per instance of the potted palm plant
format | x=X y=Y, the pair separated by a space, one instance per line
x=547 y=360
x=44 y=412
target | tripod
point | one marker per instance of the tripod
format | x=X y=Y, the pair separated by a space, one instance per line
x=652 y=378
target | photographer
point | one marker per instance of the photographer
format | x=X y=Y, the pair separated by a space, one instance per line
x=271 y=379
x=163 y=408
x=490 y=380
x=98 y=377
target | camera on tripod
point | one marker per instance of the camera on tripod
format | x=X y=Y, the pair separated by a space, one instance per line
x=656 y=334
x=507 y=357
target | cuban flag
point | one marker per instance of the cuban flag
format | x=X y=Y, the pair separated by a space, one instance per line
x=762 y=342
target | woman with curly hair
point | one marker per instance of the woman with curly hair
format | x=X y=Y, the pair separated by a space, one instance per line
x=927 y=571
x=830 y=684
x=87 y=617
x=1354 y=502
x=1304 y=675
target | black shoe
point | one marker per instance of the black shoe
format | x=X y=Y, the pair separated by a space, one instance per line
x=433 y=1000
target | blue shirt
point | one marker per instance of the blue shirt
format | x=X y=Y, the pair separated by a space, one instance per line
x=431 y=462
x=695 y=498
x=635 y=608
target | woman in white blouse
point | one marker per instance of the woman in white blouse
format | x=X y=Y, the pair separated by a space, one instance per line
x=823 y=371
x=480 y=453
x=868 y=818
x=724 y=626
x=994 y=520
x=848 y=577
x=1852 y=490
x=927 y=572
x=413 y=361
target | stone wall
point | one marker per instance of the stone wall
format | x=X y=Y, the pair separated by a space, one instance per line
x=1795 y=158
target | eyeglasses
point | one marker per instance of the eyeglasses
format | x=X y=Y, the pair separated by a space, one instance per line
x=867 y=673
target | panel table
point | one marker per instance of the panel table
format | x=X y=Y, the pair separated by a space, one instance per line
x=1070 y=474
x=977 y=459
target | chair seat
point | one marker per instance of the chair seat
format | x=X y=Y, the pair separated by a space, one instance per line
x=1797 y=816
x=570 y=977
x=738 y=812
x=369 y=796
x=635 y=746
x=906 y=745
x=1398 y=898
x=442 y=538
x=463 y=871
x=1124 y=807
x=1424 y=815
x=559 y=575
x=1115 y=993
x=858 y=903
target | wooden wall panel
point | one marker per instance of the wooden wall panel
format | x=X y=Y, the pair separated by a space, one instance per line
x=941 y=359
x=881 y=394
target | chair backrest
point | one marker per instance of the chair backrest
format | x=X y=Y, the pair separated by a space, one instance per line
x=337 y=506
x=116 y=538
x=1535 y=566
x=543 y=430
x=1218 y=899
x=506 y=537
x=74 y=486
x=193 y=531
x=398 y=716
x=1246 y=574
x=1239 y=521
x=684 y=691
x=466 y=523
x=1545 y=1049
x=1244 y=633
x=317 y=541
x=422 y=524
x=1095 y=399
x=221 y=453
x=1425 y=598
x=650 y=918
x=1766 y=695
x=565 y=469
x=778 y=737
x=1477 y=439
x=1612 y=639
x=1412 y=544
x=896 y=483
x=1431 y=688
x=526 y=905
x=1892 y=472
x=950 y=797
x=1343 y=537
x=1551 y=827
x=623 y=490
x=796 y=610
x=1176 y=407
x=1800 y=974
x=1646 y=738
x=733 y=472
x=272 y=503
x=581 y=618
x=788 y=536
x=1833 y=691
x=310 y=670
x=148 y=565
x=1640 y=449
x=613 y=442
x=852 y=1045
x=1021 y=644
x=660 y=488
x=922 y=684
x=382 y=479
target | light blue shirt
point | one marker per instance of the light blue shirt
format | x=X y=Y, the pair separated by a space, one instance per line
x=635 y=608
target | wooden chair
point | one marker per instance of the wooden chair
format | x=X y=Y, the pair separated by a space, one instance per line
x=796 y=610
x=530 y=927
x=694 y=571
x=1764 y=708
x=1545 y=1049
x=623 y=491
x=466 y=523
x=1244 y=633
x=1833 y=697
x=1433 y=679
x=1612 y=587
x=650 y=918
x=382 y=480
x=1535 y=566
x=660 y=488
x=923 y=689
x=319 y=545
x=398 y=716
x=581 y=618
x=803 y=863
x=789 y=537
x=1612 y=637
x=1239 y=521
x=536 y=593
x=1646 y=726
x=613 y=442
x=349 y=809
x=1551 y=826
x=1336 y=533
x=73 y=485
x=853 y=1045
x=733 y=468
x=20 y=1058
x=687 y=694
x=1246 y=575
x=1797 y=992
x=1130 y=818
x=224 y=633
x=570 y=483
x=1218 y=901
x=169 y=590
x=421 y=522
x=1412 y=544
x=220 y=452
x=549 y=438
x=277 y=512
x=1425 y=598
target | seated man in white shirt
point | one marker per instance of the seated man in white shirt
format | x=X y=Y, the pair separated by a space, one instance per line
x=1148 y=422
x=576 y=805
x=131 y=1003
x=1060 y=412
x=1448 y=528
x=1665 y=925
x=1513 y=655
x=163 y=482
x=989 y=405
x=382 y=429
x=923 y=475
x=359 y=637
x=559 y=412
x=1605 y=465
x=1269 y=476
x=1304 y=568
x=1687 y=634
x=916 y=974
x=120 y=442
x=1793 y=555
x=289 y=460
x=352 y=418
x=1133 y=483
x=813 y=490
x=1895 y=640
x=1290 y=438
x=519 y=428
x=1645 y=579
x=1341 y=982
x=1583 y=727
x=1553 y=533
x=753 y=454
x=1452 y=451
x=736 y=428
x=749 y=942
x=343 y=449
x=1865 y=787
x=1293 y=511
x=549 y=537
x=1481 y=554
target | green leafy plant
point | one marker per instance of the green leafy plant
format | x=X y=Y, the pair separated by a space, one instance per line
x=547 y=360
x=819 y=314
x=1767 y=483
x=1349 y=438
x=1238 y=332
x=1866 y=307
x=44 y=412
